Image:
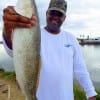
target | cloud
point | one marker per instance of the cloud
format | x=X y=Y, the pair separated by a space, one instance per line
x=82 y=15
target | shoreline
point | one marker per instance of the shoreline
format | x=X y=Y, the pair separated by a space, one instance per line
x=12 y=72
x=9 y=86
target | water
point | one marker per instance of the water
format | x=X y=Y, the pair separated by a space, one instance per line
x=6 y=62
x=91 y=54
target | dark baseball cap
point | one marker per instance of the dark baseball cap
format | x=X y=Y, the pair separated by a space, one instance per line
x=58 y=5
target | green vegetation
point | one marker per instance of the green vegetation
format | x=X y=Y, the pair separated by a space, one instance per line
x=79 y=93
x=7 y=74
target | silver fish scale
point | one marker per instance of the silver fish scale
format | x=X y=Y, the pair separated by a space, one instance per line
x=26 y=51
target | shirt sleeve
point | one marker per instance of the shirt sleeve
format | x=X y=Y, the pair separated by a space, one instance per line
x=8 y=50
x=81 y=72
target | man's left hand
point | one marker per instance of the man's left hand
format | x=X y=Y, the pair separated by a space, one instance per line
x=92 y=98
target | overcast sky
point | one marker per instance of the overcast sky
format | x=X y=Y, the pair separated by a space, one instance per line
x=83 y=16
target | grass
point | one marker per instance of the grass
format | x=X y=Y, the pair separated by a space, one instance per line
x=79 y=93
x=7 y=74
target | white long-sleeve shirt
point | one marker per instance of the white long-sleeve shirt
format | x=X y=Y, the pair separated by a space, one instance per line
x=61 y=59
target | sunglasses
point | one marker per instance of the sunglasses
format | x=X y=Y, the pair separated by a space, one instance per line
x=55 y=13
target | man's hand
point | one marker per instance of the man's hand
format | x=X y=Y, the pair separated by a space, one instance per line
x=92 y=98
x=13 y=20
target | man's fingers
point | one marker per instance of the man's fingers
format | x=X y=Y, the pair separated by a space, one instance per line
x=18 y=18
x=14 y=20
x=12 y=24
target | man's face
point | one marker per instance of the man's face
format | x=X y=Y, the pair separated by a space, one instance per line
x=54 y=19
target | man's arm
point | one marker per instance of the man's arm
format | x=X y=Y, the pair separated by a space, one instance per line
x=13 y=20
x=81 y=73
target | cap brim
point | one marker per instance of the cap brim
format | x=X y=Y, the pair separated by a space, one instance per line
x=57 y=9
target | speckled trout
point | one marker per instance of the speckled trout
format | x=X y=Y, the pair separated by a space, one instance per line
x=26 y=50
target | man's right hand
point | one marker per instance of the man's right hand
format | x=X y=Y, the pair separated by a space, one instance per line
x=13 y=20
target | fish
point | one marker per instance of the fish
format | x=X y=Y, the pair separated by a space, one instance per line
x=26 y=50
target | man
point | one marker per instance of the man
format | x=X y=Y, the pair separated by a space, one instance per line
x=60 y=54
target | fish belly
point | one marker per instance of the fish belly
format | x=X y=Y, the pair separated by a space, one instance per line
x=26 y=51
